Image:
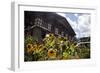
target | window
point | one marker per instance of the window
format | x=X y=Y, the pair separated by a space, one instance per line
x=67 y=35
x=62 y=34
x=38 y=21
x=56 y=30
x=49 y=27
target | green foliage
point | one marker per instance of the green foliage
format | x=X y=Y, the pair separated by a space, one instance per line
x=84 y=53
x=29 y=39
x=54 y=48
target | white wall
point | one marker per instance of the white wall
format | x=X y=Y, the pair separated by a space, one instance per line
x=5 y=31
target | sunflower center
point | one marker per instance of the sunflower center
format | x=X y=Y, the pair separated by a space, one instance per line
x=51 y=52
x=29 y=46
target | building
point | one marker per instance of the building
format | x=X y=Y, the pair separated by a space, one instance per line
x=84 y=42
x=38 y=24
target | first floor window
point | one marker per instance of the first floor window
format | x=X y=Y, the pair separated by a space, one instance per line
x=62 y=34
x=56 y=30
x=67 y=35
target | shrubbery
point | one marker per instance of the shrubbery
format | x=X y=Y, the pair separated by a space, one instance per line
x=53 y=48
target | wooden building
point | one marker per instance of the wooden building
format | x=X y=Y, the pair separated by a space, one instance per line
x=85 y=41
x=38 y=24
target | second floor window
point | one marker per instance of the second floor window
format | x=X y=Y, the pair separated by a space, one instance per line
x=49 y=27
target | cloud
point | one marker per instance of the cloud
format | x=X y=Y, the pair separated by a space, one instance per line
x=81 y=23
x=76 y=14
x=84 y=25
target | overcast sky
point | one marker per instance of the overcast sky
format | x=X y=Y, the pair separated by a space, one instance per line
x=79 y=22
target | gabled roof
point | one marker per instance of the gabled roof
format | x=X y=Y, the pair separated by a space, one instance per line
x=64 y=21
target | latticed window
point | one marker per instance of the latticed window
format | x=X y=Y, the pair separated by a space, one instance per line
x=67 y=35
x=56 y=30
x=38 y=21
x=49 y=27
x=62 y=33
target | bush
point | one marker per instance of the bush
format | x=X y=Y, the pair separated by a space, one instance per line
x=53 y=48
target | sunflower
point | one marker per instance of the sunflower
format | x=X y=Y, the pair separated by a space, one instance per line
x=51 y=34
x=52 y=53
x=30 y=48
x=39 y=48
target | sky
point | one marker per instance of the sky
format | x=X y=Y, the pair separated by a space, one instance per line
x=80 y=22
